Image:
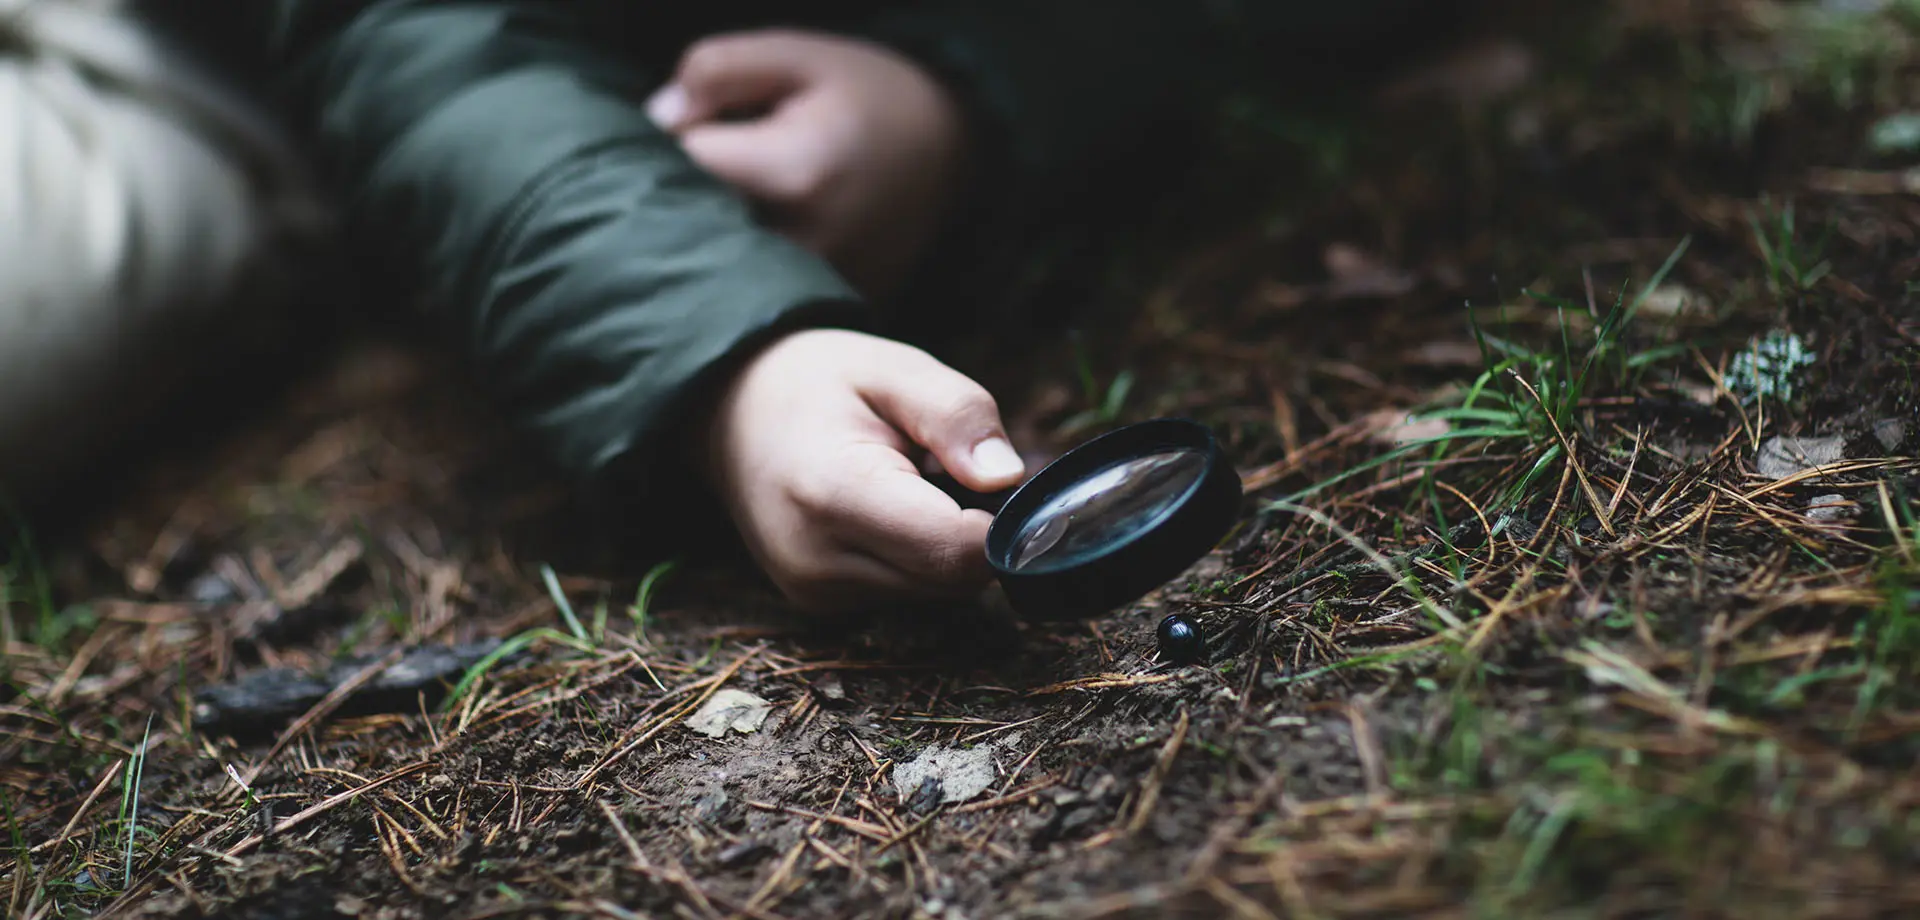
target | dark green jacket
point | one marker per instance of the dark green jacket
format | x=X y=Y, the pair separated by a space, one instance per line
x=494 y=157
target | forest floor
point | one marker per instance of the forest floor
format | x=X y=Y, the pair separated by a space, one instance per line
x=1577 y=400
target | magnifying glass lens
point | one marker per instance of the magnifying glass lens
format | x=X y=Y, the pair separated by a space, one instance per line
x=1107 y=508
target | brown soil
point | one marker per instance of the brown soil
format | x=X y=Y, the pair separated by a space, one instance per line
x=1658 y=688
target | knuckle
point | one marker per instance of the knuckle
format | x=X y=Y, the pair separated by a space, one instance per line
x=814 y=495
x=832 y=492
x=953 y=565
x=704 y=58
x=965 y=403
x=945 y=564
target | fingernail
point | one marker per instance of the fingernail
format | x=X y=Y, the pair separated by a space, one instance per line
x=995 y=458
x=668 y=106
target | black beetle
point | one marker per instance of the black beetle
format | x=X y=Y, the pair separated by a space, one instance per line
x=1181 y=641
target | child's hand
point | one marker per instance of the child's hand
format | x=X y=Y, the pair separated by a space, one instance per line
x=809 y=446
x=853 y=149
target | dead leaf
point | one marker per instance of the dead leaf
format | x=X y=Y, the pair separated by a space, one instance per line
x=1357 y=274
x=730 y=709
x=1445 y=353
x=1398 y=426
x=1673 y=300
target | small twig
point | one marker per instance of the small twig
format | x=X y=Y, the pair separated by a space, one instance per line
x=865 y=829
x=1367 y=746
x=1008 y=798
x=66 y=833
x=1225 y=832
x=640 y=860
x=1157 y=777
x=903 y=836
x=329 y=803
x=1103 y=682
x=645 y=729
x=322 y=709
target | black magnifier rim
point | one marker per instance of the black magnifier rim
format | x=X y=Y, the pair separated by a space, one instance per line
x=1129 y=568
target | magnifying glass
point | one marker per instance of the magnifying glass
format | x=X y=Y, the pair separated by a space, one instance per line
x=1112 y=519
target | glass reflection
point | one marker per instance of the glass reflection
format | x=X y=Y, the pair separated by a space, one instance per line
x=1109 y=507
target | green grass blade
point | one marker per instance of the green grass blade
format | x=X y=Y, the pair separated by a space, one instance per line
x=1485 y=432
x=138 y=768
x=512 y=646
x=1540 y=843
x=1658 y=278
x=1467 y=413
x=643 y=598
x=1117 y=396
x=560 y=600
x=1331 y=481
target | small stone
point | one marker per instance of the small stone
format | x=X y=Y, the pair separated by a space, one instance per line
x=831 y=687
x=742 y=853
x=212 y=590
x=1830 y=510
x=1891 y=433
x=927 y=797
x=711 y=807
x=1781 y=457
x=1077 y=819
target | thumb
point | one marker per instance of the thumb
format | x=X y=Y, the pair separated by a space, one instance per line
x=947 y=413
x=727 y=73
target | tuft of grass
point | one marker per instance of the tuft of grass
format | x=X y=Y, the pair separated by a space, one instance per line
x=1566 y=816
x=24 y=580
x=638 y=612
x=1533 y=396
x=578 y=636
x=1105 y=403
x=512 y=646
x=1796 y=52
x=1792 y=265
x=1891 y=635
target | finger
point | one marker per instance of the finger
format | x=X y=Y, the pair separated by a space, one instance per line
x=949 y=414
x=908 y=523
x=850 y=580
x=758 y=159
x=729 y=72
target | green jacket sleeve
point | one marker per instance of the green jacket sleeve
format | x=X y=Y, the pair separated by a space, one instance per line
x=594 y=276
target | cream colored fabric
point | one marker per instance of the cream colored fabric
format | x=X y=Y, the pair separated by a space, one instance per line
x=138 y=201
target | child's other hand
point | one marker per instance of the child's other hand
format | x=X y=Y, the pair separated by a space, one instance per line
x=809 y=446
x=853 y=149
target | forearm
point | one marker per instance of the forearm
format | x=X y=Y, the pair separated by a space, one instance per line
x=596 y=279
